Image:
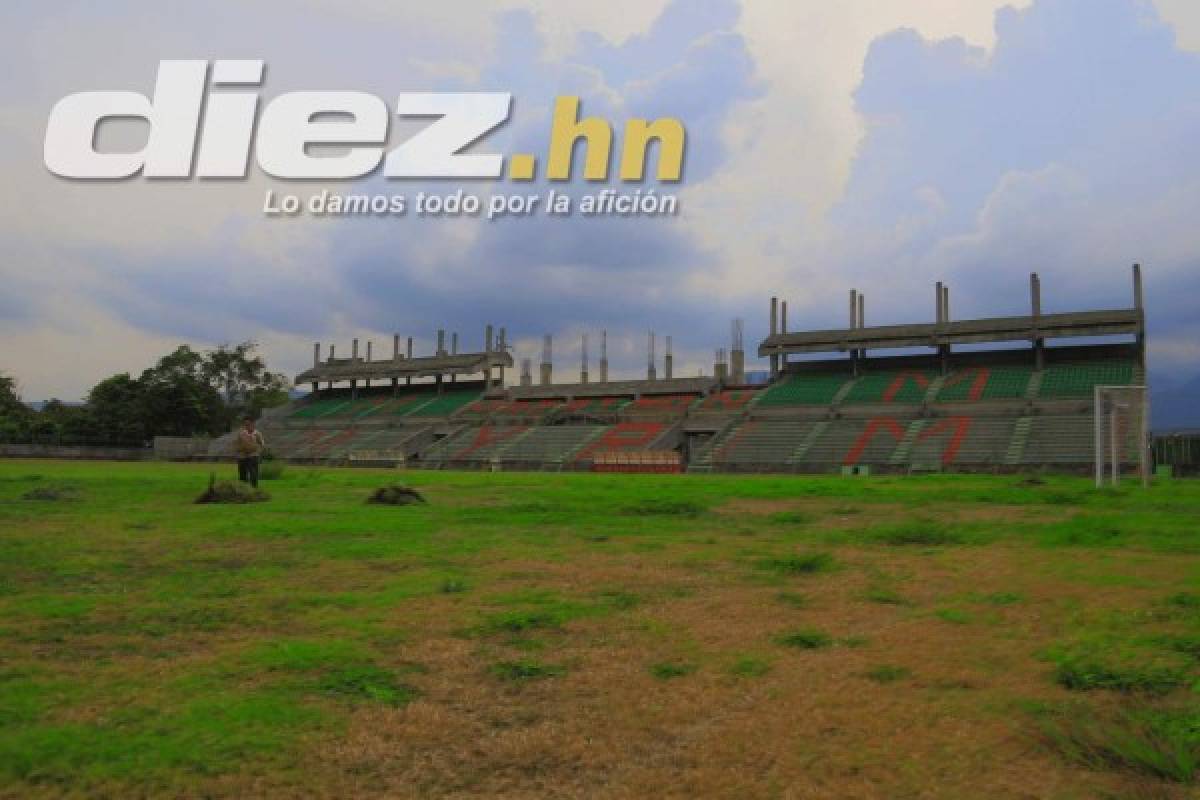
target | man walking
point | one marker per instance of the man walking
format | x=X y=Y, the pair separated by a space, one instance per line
x=248 y=446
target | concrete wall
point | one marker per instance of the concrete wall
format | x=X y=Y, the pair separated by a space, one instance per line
x=79 y=453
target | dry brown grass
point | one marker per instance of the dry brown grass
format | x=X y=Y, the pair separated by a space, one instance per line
x=812 y=727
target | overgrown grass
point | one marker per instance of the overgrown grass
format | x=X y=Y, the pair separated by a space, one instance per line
x=887 y=673
x=807 y=639
x=800 y=564
x=149 y=646
x=665 y=670
x=526 y=670
x=1163 y=744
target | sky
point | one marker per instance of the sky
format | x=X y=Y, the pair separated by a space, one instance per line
x=877 y=144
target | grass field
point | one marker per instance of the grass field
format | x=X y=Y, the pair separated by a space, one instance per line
x=598 y=636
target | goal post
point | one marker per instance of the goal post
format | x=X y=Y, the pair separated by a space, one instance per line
x=1122 y=431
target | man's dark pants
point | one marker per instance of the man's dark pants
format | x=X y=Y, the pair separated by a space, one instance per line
x=248 y=470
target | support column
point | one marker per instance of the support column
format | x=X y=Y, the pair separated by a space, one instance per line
x=1141 y=312
x=487 y=363
x=862 y=322
x=583 y=360
x=547 y=370
x=774 y=330
x=783 y=328
x=853 y=326
x=944 y=319
x=316 y=364
x=604 y=356
x=650 y=371
x=737 y=364
x=1035 y=301
x=503 y=348
x=408 y=379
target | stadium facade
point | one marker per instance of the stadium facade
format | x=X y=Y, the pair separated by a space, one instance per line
x=893 y=398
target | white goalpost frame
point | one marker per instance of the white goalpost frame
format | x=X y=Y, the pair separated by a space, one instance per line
x=1106 y=400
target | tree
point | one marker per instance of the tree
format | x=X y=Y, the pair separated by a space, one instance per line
x=179 y=399
x=242 y=378
x=15 y=416
x=117 y=409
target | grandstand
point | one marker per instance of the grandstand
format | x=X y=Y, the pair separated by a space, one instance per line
x=999 y=394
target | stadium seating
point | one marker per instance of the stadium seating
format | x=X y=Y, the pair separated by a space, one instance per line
x=595 y=405
x=444 y=405
x=322 y=408
x=481 y=444
x=804 y=390
x=625 y=437
x=733 y=400
x=962 y=440
x=1080 y=380
x=1060 y=440
x=762 y=442
x=673 y=403
x=549 y=444
x=985 y=383
x=899 y=386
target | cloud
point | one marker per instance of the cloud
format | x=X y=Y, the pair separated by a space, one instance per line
x=1068 y=148
x=870 y=143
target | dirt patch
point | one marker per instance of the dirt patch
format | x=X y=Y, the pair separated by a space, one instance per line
x=396 y=495
x=230 y=492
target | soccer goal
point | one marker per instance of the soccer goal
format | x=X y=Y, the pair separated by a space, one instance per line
x=1122 y=422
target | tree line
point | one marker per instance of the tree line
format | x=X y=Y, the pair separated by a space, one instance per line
x=187 y=393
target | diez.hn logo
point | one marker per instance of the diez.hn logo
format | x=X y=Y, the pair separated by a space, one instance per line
x=202 y=127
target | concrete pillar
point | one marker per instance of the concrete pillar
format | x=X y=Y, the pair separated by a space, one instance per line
x=1139 y=306
x=774 y=330
x=503 y=348
x=937 y=302
x=853 y=326
x=604 y=356
x=651 y=373
x=487 y=364
x=945 y=349
x=737 y=363
x=862 y=320
x=1035 y=303
x=583 y=360
x=547 y=370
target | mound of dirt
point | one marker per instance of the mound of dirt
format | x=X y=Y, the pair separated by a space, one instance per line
x=231 y=492
x=395 y=495
x=52 y=493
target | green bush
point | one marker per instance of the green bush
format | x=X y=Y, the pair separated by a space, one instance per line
x=805 y=639
x=805 y=564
